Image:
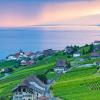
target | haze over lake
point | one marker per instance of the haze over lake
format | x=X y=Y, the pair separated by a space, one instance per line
x=40 y=38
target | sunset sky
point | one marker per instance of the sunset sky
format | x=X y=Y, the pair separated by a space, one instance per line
x=16 y=13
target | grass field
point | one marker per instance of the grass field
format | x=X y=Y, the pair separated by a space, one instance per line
x=79 y=84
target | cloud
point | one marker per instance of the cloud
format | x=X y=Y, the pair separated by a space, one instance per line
x=44 y=1
x=63 y=12
x=36 y=12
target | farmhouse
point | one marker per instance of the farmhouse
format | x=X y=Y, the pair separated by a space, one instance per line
x=30 y=89
x=61 y=66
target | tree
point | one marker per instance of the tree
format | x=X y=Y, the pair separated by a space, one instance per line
x=75 y=48
x=91 y=47
x=41 y=57
x=43 y=78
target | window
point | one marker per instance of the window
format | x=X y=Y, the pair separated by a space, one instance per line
x=19 y=90
x=24 y=90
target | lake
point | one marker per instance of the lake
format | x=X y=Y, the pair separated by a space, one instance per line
x=39 y=38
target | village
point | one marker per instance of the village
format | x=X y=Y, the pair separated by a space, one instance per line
x=38 y=86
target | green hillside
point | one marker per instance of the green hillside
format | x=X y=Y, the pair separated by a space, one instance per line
x=78 y=84
x=20 y=73
x=10 y=64
x=7 y=84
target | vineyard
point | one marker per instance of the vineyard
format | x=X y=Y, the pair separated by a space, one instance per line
x=82 y=84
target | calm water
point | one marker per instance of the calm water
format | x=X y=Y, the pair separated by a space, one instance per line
x=35 y=39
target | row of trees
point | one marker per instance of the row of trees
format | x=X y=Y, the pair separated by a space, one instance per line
x=87 y=49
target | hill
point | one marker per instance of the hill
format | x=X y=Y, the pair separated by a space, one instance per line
x=78 y=84
x=20 y=73
x=82 y=82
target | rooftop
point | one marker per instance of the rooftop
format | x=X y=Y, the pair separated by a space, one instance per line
x=32 y=83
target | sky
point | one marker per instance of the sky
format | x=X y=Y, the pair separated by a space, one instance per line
x=22 y=13
x=42 y=24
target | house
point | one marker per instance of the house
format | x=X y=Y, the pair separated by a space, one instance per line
x=77 y=54
x=6 y=70
x=69 y=50
x=97 y=42
x=30 y=55
x=95 y=54
x=21 y=52
x=30 y=62
x=96 y=47
x=48 y=52
x=17 y=55
x=25 y=62
x=21 y=56
x=11 y=57
x=61 y=66
x=97 y=63
x=30 y=89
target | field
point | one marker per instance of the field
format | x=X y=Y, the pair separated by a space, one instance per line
x=78 y=84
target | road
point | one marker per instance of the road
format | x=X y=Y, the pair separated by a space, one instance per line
x=47 y=88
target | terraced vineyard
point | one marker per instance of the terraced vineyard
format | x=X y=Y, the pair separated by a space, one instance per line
x=79 y=84
x=20 y=73
x=7 y=84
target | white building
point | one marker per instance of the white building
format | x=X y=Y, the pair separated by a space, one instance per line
x=11 y=57
x=97 y=42
x=76 y=55
x=23 y=62
x=30 y=89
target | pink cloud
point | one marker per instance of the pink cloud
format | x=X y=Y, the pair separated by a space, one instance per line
x=64 y=13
